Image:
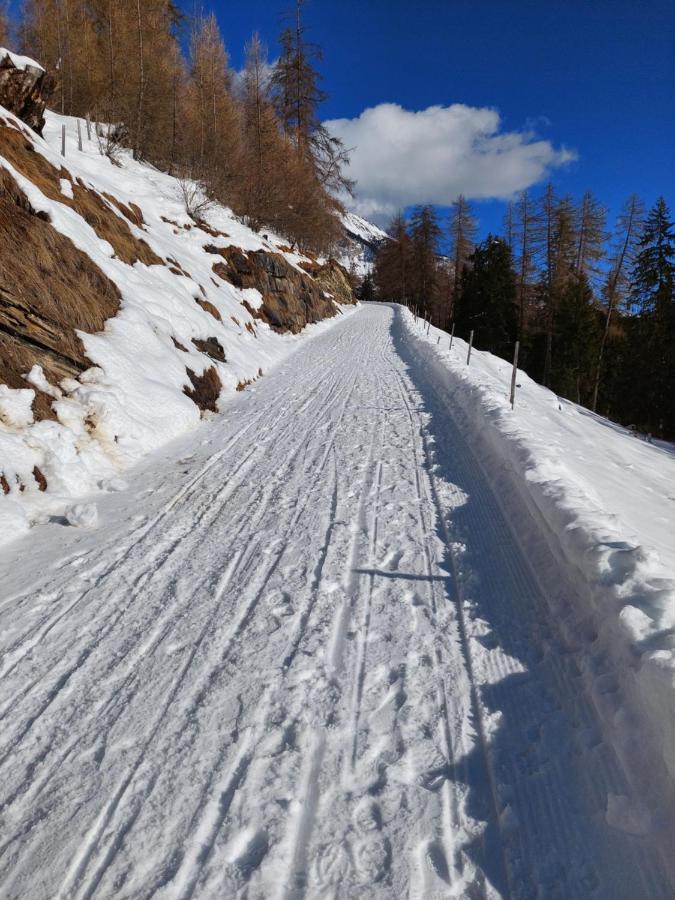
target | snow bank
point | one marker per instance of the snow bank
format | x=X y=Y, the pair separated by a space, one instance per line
x=131 y=400
x=605 y=503
x=19 y=62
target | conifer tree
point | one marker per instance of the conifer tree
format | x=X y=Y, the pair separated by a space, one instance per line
x=653 y=293
x=524 y=235
x=487 y=304
x=297 y=97
x=462 y=235
x=393 y=265
x=577 y=333
x=590 y=238
x=425 y=234
x=627 y=233
x=558 y=242
x=264 y=194
x=215 y=116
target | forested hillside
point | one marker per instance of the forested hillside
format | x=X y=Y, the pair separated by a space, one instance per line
x=253 y=138
x=592 y=307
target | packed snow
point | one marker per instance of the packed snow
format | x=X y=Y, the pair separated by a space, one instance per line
x=344 y=642
x=134 y=388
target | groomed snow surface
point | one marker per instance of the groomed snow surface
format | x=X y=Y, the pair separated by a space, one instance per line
x=322 y=648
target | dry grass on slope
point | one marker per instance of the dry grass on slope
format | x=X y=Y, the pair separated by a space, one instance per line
x=93 y=208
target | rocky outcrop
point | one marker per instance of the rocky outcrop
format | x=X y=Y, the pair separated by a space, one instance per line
x=25 y=88
x=332 y=278
x=49 y=290
x=290 y=299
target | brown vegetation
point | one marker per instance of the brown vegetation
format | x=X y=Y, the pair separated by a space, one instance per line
x=212 y=347
x=19 y=151
x=208 y=307
x=205 y=389
x=257 y=145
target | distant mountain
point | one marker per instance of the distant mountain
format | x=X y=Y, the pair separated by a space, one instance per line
x=361 y=242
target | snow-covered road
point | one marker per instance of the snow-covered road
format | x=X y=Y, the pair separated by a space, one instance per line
x=304 y=655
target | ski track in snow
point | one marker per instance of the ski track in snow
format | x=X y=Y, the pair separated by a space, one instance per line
x=321 y=667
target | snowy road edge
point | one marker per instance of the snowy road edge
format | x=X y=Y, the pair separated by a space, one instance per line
x=613 y=590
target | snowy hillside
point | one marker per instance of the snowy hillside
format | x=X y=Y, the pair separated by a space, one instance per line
x=362 y=240
x=164 y=322
x=603 y=500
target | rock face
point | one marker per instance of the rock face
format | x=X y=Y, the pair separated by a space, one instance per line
x=25 y=88
x=291 y=299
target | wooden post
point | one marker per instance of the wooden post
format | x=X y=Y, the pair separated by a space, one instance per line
x=79 y=136
x=468 y=355
x=429 y=325
x=452 y=334
x=438 y=340
x=514 y=374
x=88 y=127
x=63 y=140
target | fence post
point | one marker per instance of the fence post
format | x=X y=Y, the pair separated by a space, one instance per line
x=468 y=355
x=63 y=140
x=514 y=374
x=452 y=334
x=438 y=340
x=429 y=325
x=88 y=127
x=79 y=136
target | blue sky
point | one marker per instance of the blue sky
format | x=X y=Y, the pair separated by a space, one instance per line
x=595 y=76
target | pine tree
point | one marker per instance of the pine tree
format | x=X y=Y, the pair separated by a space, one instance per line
x=557 y=244
x=264 y=196
x=627 y=232
x=216 y=122
x=654 y=299
x=462 y=235
x=591 y=236
x=425 y=234
x=525 y=230
x=366 y=291
x=577 y=334
x=487 y=305
x=297 y=97
x=393 y=265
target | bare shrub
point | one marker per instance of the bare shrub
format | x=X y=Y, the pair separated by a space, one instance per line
x=195 y=197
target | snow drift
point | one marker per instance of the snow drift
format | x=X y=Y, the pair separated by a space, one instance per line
x=604 y=502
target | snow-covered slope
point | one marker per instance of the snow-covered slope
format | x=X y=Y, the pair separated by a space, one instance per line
x=604 y=500
x=361 y=243
x=180 y=322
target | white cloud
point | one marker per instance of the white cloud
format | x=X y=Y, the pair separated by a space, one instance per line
x=401 y=157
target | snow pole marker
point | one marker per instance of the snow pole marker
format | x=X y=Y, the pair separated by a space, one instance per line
x=438 y=340
x=79 y=136
x=452 y=334
x=468 y=355
x=88 y=127
x=514 y=374
x=63 y=140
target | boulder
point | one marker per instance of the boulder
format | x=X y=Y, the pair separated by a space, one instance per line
x=25 y=88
